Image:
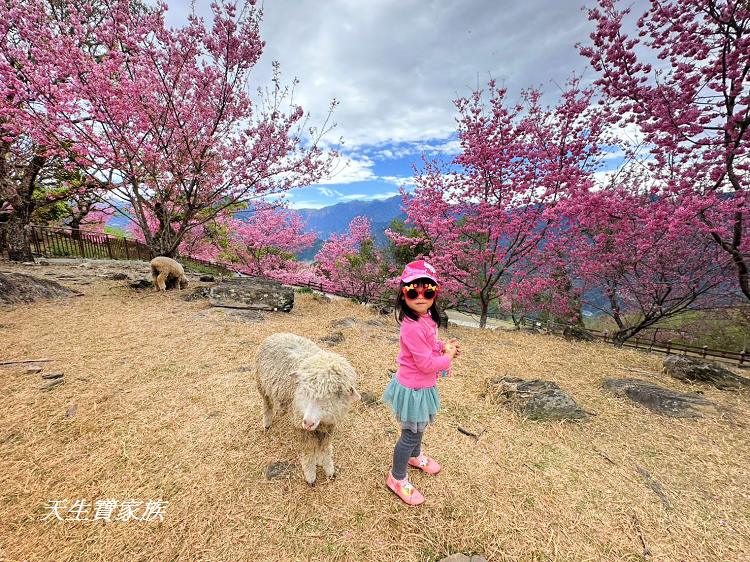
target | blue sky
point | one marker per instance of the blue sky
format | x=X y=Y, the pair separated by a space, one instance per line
x=396 y=65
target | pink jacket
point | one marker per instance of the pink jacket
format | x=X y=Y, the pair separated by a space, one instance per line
x=420 y=359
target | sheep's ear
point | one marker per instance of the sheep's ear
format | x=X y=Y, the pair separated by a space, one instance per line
x=353 y=394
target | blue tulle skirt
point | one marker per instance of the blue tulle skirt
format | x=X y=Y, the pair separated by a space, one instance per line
x=414 y=409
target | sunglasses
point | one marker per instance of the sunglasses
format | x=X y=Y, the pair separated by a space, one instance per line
x=427 y=291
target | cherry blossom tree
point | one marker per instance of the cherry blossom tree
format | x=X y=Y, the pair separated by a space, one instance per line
x=352 y=264
x=264 y=242
x=42 y=46
x=163 y=116
x=492 y=210
x=683 y=79
x=639 y=261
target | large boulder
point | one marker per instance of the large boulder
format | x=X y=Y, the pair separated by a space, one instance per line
x=689 y=369
x=661 y=400
x=252 y=293
x=535 y=399
x=18 y=288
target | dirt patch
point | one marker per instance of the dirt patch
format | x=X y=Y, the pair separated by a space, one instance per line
x=166 y=409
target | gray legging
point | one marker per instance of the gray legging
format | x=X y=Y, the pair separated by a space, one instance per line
x=409 y=445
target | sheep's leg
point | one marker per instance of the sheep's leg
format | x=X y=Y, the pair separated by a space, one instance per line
x=327 y=461
x=161 y=281
x=309 y=467
x=267 y=410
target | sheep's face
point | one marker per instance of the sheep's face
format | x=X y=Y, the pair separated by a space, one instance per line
x=183 y=282
x=324 y=395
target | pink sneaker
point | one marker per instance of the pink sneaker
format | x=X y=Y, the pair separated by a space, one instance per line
x=404 y=490
x=423 y=462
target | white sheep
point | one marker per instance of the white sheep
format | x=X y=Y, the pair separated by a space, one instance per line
x=165 y=270
x=318 y=385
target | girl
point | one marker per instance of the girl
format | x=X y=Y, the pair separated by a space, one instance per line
x=412 y=394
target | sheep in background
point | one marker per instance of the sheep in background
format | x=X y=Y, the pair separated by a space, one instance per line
x=167 y=271
x=316 y=387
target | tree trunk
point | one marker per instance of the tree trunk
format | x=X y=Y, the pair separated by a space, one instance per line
x=483 y=315
x=17 y=238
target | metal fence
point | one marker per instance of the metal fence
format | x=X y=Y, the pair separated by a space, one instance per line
x=741 y=357
x=58 y=242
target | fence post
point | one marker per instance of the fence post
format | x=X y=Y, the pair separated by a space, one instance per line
x=705 y=349
x=669 y=346
x=743 y=355
x=80 y=242
x=636 y=342
x=606 y=336
x=109 y=248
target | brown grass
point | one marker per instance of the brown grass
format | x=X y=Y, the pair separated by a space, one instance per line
x=165 y=410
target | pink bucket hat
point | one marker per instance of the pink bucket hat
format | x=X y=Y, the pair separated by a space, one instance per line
x=418 y=269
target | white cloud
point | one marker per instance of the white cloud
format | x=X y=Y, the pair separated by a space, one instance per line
x=400 y=181
x=396 y=67
x=370 y=197
x=350 y=169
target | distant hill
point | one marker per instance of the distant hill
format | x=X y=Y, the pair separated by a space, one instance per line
x=336 y=218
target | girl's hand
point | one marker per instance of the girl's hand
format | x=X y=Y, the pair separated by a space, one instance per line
x=450 y=350
x=456 y=345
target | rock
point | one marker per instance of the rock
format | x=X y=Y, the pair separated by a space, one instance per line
x=386 y=309
x=369 y=399
x=333 y=339
x=207 y=278
x=252 y=293
x=464 y=558
x=196 y=294
x=42 y=261
x=32 y=370
x=577 y=333
x=71 y=411
x=142 y=284
x=53 y=383
x=278 y=470
x=376 y=322
x=51 y=376
x=118 y=277
x=536 y=399
x=320 y=297
x=689 y=369
x=661 y=400
x=347 y=322
x=19 y=288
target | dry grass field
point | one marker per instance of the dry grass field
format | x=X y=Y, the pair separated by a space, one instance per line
x=166 y=409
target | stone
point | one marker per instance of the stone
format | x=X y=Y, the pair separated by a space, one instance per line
x=207 y=278
x=42 y=261
x=252 y=293
x=52 y=376
x=71 y=411
x=33 y=370
x=142 y=284
x=334 y=338
x=53 y=383
x=536 y=399
x=196 y=294
x=464 y=558
x=661 y=400
x=118 y=277
x=19 y=288
x=347 y=322
x=369 y=399
x=278 y=470
x=689 y=369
